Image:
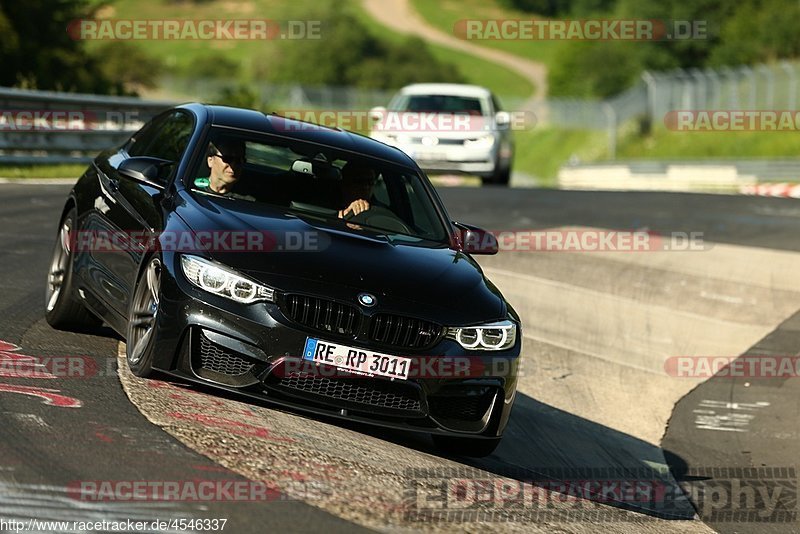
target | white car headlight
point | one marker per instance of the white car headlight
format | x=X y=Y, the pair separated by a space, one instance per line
x=485 y=141
x=216 y=279
x=494 y=336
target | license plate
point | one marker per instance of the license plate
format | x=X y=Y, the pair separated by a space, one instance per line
x=360 y=361
x=427 y=155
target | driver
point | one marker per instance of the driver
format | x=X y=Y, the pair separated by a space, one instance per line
x=357 y=182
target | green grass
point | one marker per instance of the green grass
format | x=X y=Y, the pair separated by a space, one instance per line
x=543 y=151
x=254 y=56
x=178 y=55
x=666 y=144
x=504 y=82
x=540 y=152
x=42 y=171
x=444 y=14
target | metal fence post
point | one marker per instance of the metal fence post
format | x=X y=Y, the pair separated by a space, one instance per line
x=770 y=76
x=791 y=97
x=716 y=90
x=733 y=87
x=611 y=116
x=650 y=83
x=702 y=90
x=747 y=71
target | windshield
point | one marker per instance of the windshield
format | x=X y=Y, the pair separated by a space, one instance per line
x=318 y=182
x=438 y=104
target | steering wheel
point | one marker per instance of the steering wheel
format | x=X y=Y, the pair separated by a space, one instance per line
x=379 y=217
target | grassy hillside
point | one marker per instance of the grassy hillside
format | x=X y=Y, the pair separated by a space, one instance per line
x=251 y=61
x=501 y=80
x=444 y=14
x=181 y=55
x=539 y=152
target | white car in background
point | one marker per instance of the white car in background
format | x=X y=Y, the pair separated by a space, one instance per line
x=449 y=128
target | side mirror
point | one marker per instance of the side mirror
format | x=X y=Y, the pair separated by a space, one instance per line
x=474 y=240
x=502 y=118
x=377 y=113
x=146 y=171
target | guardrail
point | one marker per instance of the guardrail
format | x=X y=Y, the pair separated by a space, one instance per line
x=52 y=127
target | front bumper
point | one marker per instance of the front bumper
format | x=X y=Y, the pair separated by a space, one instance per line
x=256 y=350
x=452 y=158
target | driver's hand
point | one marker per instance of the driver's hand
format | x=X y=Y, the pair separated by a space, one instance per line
x=355 y=207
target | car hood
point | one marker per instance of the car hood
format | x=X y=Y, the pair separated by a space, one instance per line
x=313 y=256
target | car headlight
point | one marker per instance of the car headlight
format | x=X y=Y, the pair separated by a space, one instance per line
x=494 y=336
x=216 y=279
x=485 y=141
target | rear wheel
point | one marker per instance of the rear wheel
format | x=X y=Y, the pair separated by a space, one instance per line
x=62 y=309
x=475 y=447
x=142 y=318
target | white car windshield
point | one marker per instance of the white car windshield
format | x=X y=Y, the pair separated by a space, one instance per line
x=438 y=104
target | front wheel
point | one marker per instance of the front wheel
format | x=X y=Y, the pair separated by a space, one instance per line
x=142 y=319
x=474 y=447
x=62 y=310
x=499 y=177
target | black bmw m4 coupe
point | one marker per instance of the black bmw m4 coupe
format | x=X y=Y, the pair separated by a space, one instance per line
x=307 y=266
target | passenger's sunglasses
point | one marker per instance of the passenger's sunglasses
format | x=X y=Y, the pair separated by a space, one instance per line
x=230 y=160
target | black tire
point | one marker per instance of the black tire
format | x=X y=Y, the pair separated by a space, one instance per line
x=458 y=446
x=62 y=309
x=142 y=319
x=501 y=177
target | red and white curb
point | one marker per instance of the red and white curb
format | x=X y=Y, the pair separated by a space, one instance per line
x=772 y=190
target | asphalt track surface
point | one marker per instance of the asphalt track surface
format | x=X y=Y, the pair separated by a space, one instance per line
x=595 y=399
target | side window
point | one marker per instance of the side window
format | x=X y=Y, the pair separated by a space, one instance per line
x=380 y=193
x=144 y=137
x=166 y=139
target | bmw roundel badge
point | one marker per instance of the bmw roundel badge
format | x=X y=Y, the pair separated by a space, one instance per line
x=365 y=299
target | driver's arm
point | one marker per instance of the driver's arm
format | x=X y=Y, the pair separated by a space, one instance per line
x=357 y=206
